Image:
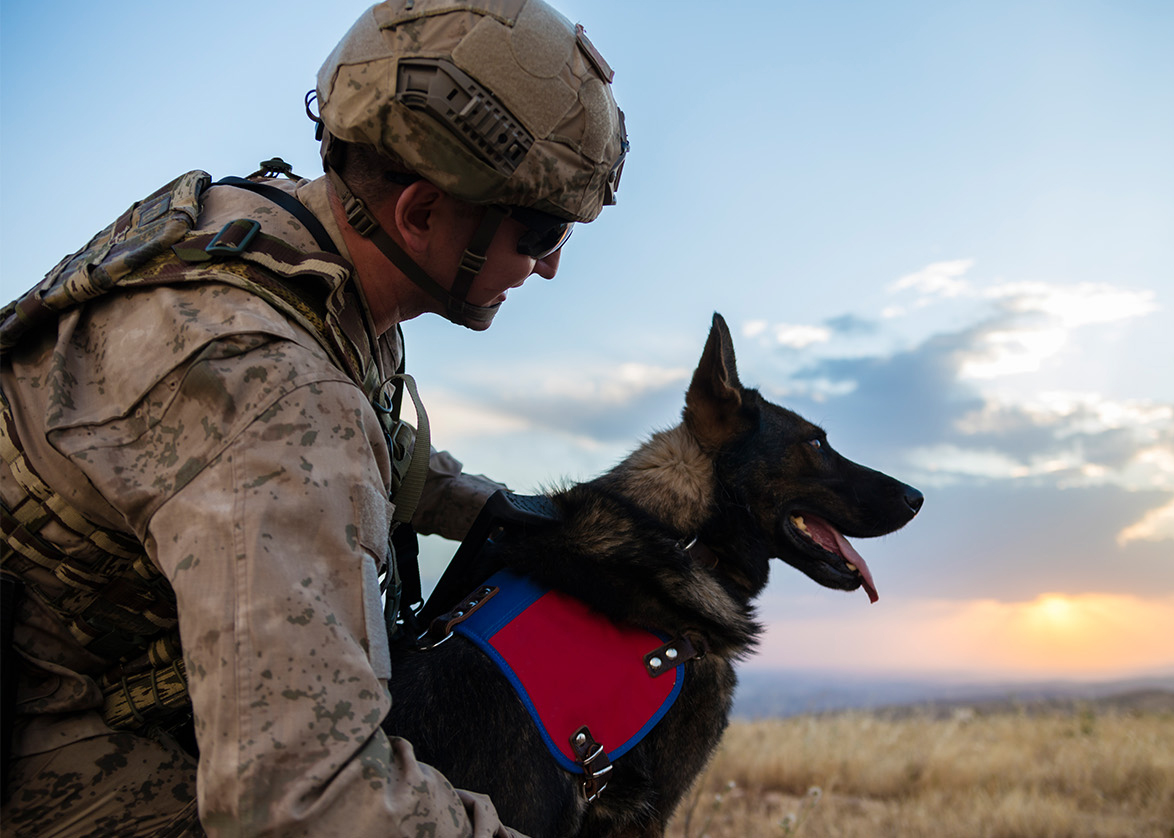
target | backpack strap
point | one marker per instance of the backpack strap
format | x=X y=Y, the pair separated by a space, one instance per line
x=288 y=203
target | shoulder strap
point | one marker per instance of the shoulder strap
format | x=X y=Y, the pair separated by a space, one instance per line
x=288 y=203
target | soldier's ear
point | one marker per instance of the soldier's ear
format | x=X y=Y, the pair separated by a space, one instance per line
x=414 y=211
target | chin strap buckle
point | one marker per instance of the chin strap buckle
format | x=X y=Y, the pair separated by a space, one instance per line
x=357 y=215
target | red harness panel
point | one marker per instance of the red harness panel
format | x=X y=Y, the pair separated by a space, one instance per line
x=571 y=666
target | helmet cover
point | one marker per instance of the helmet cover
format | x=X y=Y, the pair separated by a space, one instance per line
x=494 y=101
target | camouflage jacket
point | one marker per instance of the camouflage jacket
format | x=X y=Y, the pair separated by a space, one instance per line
x=206 y=426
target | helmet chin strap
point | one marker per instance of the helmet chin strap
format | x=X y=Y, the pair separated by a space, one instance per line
x=456 y=306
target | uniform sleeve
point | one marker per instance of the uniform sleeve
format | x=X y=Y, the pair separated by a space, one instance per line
x=273 y=551
x=451 y=498
x=256 y=476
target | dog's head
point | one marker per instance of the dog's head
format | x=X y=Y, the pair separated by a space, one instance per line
x=797 y=498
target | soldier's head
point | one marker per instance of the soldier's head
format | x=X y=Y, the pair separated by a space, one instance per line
x=492 y=123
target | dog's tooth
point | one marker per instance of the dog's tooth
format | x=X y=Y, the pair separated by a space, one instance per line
x=798 y=521
x=851 y=566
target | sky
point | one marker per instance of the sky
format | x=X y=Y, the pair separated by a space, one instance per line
x=942 y=230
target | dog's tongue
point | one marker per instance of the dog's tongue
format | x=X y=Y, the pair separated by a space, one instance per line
x=825 y=532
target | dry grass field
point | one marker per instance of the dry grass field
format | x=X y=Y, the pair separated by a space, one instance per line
x=1015 y=774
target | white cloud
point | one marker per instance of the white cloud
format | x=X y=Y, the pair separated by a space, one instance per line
x=1072 y=306
x=754 y=328
x=1013 y=351
x=1073 y=421
x=612 y=385
x=800 y=336
x=939 y=279
x=452 y=417
x=1033 y=321
x=1155 y=525
x=947 y=463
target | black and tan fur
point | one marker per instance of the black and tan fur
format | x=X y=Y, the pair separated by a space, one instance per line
x=733 y=474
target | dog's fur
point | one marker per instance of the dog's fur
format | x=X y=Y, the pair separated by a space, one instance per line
x=734 y=474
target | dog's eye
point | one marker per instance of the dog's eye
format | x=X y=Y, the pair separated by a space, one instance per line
x=815 y=443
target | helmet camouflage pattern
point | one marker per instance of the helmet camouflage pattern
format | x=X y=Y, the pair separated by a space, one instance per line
x=494 y=101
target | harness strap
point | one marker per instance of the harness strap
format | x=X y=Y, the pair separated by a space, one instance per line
x=593 y=760
x=288 y=203
x=674 y=653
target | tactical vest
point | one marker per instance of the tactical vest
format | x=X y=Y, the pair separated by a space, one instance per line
x=119 y=605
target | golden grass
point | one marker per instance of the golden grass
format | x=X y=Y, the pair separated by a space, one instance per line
x=1015 y=775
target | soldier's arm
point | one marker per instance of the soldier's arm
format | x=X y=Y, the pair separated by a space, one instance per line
x=452 y=498
x=272 y=530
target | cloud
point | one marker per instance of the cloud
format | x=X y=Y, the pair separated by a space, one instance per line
x=1036 y=321
x=939 y=279
x=794 y=336
x=1072 y=306
x=936 y=404
x=1155 y=525
x=593 y=404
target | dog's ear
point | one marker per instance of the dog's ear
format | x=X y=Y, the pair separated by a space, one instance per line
x=714 y=398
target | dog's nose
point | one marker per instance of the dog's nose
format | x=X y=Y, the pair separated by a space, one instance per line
x=913 y=499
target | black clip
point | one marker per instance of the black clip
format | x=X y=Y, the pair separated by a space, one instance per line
x=234 y=237
x=273 y=168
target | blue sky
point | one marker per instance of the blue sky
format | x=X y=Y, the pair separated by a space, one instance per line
x=940 y=229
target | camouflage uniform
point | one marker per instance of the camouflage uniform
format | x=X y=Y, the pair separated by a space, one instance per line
x=216 y=432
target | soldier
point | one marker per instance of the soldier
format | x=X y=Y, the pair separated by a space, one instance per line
x=201 y=453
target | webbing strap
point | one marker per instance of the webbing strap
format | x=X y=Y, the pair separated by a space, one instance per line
x=407 y=498
x=288 y=203
x=42 y=503
x=366 y=225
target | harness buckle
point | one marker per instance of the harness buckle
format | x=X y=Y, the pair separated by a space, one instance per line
x=234 y=237
x=445 y=623
x=594 y=762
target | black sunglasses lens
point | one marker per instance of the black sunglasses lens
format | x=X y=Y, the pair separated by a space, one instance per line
x=540 y=244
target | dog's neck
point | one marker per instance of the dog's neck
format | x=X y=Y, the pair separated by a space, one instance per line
x=671 y=478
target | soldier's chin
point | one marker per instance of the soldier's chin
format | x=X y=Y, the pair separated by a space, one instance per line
x=477 y=318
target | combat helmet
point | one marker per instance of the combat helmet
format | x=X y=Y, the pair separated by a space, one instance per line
x=502 y=103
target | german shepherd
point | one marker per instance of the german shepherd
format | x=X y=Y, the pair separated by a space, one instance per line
x=743 y=479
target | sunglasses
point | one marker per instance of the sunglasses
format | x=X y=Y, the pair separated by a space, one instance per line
x=545 y=233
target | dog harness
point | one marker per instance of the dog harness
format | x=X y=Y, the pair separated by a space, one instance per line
x=593 y=688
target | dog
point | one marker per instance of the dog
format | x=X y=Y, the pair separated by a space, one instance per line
x=676 y=539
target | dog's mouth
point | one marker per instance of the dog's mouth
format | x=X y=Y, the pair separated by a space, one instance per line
x=840 y=565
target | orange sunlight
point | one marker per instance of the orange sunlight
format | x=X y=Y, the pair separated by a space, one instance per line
x=1053 y=635
x=1086 y=634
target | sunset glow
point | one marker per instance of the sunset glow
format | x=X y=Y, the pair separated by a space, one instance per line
x=1053 y=635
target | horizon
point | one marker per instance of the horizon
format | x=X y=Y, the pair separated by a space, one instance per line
x=942 y=232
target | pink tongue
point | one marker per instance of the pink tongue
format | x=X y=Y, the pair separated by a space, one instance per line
x=849 y=553
x=820 y=530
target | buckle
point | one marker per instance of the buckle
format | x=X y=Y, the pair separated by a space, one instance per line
x=234 y=237
x=357 y=215
x=472 y=262
x=594 y=762
x=445 y=623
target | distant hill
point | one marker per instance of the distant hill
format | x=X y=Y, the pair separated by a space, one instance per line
x=777 y=693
